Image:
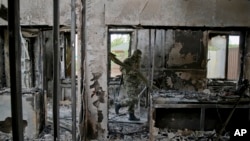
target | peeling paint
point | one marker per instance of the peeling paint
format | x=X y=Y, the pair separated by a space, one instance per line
x=176 y=58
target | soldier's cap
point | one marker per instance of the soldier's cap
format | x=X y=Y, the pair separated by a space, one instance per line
x=137 y=52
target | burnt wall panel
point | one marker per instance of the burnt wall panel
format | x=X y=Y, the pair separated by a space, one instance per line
x=187 y=51
x=188 y=80
x=158 y=48
x=176 y=56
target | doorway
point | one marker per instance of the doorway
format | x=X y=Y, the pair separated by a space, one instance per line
x=122 y=43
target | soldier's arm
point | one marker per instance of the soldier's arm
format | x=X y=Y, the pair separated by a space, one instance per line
x=128 y=67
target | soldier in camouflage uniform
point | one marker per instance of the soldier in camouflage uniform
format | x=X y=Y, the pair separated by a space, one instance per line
x=131 y=83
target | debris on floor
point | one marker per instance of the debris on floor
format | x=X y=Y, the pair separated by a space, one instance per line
x=188 y=135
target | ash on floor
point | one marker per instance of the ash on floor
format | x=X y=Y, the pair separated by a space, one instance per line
x=127 y=132
x=122 y=129
x=188 y=135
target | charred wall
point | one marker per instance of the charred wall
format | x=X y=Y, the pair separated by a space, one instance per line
x=176 y=58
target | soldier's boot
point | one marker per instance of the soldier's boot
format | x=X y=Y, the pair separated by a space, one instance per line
x=117 y=108
x=132 y=117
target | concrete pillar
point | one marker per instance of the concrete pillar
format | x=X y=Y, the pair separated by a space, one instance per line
x=95 y=71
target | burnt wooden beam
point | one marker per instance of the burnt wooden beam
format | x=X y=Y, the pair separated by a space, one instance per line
x=15 y=69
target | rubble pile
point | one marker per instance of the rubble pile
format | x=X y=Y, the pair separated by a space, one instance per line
x=188 y=135
x=127 y=132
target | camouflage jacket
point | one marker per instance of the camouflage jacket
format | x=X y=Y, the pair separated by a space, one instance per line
x=131 y=76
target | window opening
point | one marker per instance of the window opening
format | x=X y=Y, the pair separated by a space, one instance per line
x=119 y=45
x=223 y=57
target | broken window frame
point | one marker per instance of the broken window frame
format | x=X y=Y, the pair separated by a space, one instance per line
x=212 y=34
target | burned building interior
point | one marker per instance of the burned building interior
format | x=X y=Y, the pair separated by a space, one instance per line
x=60 y=70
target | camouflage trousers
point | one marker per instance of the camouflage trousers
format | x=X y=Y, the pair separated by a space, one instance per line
x=132 y=91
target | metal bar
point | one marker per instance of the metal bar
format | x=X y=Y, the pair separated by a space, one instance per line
x=15 y=69
x=226 y=55
x=73 y=73
x=108 y=59
x=56 y=77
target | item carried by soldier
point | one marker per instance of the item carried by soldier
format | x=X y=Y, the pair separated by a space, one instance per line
x=128 y=67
